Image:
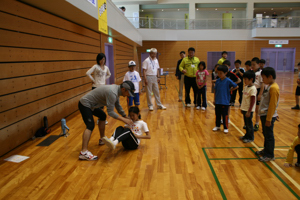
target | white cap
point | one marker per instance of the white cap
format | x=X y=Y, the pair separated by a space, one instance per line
x=131 y=63
x=153 y=50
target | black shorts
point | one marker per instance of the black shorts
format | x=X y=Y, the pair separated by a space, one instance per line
x=87 y=115
x=257 y=102
x=297 y=91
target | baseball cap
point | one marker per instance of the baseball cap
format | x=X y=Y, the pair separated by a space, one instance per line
x=128 y=85
x=131 y=63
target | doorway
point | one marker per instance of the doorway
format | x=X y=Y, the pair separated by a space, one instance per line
x=214 y=56
x=109 y=53
x=282 y=60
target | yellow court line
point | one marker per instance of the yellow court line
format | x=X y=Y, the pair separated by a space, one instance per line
x=273 y=163
x=281 y=149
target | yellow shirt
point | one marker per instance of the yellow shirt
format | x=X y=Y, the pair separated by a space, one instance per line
x=290 y=155
x=190 y=65
x=220 y=62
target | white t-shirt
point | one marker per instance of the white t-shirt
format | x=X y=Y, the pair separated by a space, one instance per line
x=258 y=79
x=248 y=92
x=135 y=78
x=100 y=76
x=151 y=66
x=138 y=128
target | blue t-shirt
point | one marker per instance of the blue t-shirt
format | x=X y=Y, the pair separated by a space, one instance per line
x=222 y=90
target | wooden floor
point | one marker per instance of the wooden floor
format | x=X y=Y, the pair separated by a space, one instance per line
x=183 y=160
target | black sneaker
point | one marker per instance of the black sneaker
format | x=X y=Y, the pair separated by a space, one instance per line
x=266 y=159
x=256 y=127
x=297 y=107
x=259 y=153
x=244 y=127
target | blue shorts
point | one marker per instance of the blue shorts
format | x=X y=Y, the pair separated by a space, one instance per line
x=136 y=99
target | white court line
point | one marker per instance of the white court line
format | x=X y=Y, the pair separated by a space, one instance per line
x=273 y=163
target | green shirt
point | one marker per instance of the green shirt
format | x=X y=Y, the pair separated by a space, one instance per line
x=220 y=62
x=190 y=65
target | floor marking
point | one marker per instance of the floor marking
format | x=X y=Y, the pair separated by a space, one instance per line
x=273 y=163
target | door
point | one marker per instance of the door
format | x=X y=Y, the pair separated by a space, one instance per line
x=109 y=53
x=213 y=58
x=282 y=60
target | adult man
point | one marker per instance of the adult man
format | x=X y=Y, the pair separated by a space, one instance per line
x=152 y=78
x=188 y=67
x=91 y=103
x=180 y=76
x=224 y=57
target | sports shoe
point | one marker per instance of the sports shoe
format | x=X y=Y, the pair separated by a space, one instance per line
x=151 y=108
x=225 y=131
x=109 y=143
x=188 y=105
x=265 y=159
x=106 y=122
x=259 y=152
x=256 y=127
x=198 y=107
x=216 y=128
x=242 y=137
x=203 y=108
x=101 y=142
x=87 y=156
x=162 y=107
x=297 y=164
x=247 y=140
x=244 y=127
x=297 y=107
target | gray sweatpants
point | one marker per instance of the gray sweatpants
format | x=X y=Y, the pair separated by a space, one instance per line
x=152 y=86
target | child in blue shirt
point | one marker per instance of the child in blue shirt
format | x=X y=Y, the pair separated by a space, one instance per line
x=222 y=96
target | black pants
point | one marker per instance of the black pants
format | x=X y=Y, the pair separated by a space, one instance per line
x=233 y=95
x=269 y=142
x=188 y=83
x=297 y=149
x=249 y=126
x=87 y=115
x=221 y=110
x=127 y=138
x=201 y=92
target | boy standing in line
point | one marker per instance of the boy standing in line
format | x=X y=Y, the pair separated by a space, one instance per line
x=297 y=94
x=268 y=113
x=259 y=86
x=224 y=57
x=223 y=88
x=248 y=65
x=239 y=72
x=262 y=63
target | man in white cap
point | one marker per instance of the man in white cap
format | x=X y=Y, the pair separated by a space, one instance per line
x=90 y=105
x=152 y=78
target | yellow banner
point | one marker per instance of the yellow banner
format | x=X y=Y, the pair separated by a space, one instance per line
x=102 y=16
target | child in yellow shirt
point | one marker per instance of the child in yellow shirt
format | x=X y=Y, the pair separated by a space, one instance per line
x=294 y=147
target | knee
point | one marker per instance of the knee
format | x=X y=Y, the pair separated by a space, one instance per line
x=90 y=127
x=102 y=117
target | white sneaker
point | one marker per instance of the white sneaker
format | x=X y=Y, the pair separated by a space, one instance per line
x=87 y=156
x=188 y=105
x=106 y=122
x=203 y=108
x=216 y=128
x=162 y=107
x=228 y=121
x=198 y=107
x=225 y=131
x=109 y=143
x=151 y=108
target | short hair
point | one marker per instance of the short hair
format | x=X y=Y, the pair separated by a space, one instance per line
x=238 y=61
x=203 y=64
x=248 y=62
x=191 y=49
x=299 y=64
x=262 y=61
x=268 y=71
x=255 y=59
x=217 y=65
x=135 y=110
x=182 y=52
x=153 y=50
x=249 y=74
x=226 y=62
x=298 y=125
x=100 y=56
x=223 y=68
x=224 y=52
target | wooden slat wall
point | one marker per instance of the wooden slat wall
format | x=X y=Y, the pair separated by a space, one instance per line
x=123 y=54
x=43 y=63
x=245 y=50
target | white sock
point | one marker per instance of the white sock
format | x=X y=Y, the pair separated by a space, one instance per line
x=112 y=138
x=115 y=142
x=256 y=123
x=83 y=152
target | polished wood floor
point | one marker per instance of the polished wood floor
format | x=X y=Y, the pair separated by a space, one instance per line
x=183 y=160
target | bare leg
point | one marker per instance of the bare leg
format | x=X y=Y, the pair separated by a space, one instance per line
x=86 y=138
x=101 y=127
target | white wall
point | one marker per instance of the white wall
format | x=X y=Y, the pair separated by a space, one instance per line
x=166 y=14
x=206 y=14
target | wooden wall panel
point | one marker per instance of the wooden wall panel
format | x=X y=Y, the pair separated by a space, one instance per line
x=43 y=65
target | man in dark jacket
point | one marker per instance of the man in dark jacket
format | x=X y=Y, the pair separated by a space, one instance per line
x=180 y=76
